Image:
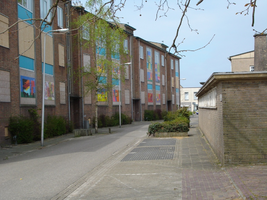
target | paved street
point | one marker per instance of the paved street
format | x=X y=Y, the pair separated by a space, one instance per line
x=147 y=168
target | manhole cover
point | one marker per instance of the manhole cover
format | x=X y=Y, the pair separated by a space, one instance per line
x=157 y=142
x=150 y=153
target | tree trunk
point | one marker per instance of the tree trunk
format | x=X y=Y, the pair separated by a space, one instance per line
x=96 y=115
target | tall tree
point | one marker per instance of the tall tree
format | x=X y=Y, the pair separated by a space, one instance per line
x=106 y=39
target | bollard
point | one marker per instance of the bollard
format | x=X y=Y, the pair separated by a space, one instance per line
x=109 y=130
x=15 y=139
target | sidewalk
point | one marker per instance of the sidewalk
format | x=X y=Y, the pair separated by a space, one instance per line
x=154 y=168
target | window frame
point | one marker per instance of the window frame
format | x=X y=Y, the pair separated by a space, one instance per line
x=29 y=5
x=60 y=17
x=186 y=94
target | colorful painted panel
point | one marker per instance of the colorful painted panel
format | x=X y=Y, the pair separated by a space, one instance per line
x=149 y=77
x=27 y=87
x=150 y=97
x=115 y=95
x=102 y=95
x=49 y=91
x=158 y=98
x=149 y=59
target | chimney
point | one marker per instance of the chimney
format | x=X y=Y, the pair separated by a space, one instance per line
x=260 y=52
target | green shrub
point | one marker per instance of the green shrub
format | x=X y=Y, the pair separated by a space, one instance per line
x=54 y=126
x=180 y=124
x=22 y=128
x=149 y=115
x=164 y=113
x=106 y=121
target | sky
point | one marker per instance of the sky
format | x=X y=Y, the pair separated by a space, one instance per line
x=233 y=33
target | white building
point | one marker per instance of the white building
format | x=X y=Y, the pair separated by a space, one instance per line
x=188 y=98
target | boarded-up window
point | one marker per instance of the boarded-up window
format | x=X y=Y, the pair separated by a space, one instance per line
x=61 y=52
x=163 y=79
x=62 y=93
x=143 y=97
x=141 y=52
x=126 y=72
x=86 y=63
x=4 y=86
x=208 y=100
x=142 y=75
x=172 y=81
x=127 y=97
x=163 y=98
x=4 y=39
x=87 y=97
x=162 y=60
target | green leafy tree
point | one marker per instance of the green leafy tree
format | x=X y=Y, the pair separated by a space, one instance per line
x=106 y=40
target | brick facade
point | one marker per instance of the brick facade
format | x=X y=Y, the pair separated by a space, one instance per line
x=70 y=99
x=236 y=126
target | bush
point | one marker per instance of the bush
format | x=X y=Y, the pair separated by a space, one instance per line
x=180 y=124
x=149 y=115
x=54 y=126
x=22 y=128
x=105 y=121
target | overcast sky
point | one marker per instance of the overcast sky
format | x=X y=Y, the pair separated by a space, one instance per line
x=233 y=33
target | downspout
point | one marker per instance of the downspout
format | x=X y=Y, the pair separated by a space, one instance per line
x=166 y=82
x=81 y=61
x=140 y=80
x=131 y=40
x=68 y=56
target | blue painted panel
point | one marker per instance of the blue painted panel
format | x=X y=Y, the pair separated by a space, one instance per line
x=115 y=81
x=23 y=13
x=102 y=79
x=47 y=28
x=116 y=56
x=26 y=63
x=176 y=74
x=157 y=87
x=149 y=87
x=49 y=69
x=177 y=90
x=101 y=51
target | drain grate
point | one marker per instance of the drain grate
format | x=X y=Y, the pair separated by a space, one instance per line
x=157 y=142
x=150 y=153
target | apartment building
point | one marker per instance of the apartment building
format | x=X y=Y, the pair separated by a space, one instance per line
x=189 y=98
x=243 y=62
x=151 y=73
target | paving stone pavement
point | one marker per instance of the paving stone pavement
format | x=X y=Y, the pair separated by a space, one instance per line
x=175 y=168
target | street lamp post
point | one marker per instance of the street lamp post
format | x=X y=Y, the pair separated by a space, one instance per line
x=64 y=30
x=128 y=63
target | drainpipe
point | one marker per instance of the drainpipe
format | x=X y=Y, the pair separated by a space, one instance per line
x=166 y=82
x=140 y=80
x=68 y=55
x=81 y=61
x=131 y=41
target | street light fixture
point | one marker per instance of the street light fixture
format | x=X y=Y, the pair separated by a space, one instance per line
x=63 y=30
x=128 y=63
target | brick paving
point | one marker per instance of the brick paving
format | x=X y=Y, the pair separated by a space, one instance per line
x=251 y=180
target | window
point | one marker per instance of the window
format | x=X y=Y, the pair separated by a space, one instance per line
x=86 y=63
x=251 y=68
x=60 y=17
x=173 y=99
x=62 y=93
x=163 y=80
x=4 y=86
x=85 y=33
x=171 y=63
x=45 y=6
x=142 y=75
x=163 y=98
x=195 y=97
x=4 y=38
x=26 y=4
x=126 y=72
x=162 y=60
x=61 y=56
x=186 y=96
x=125 y=45
x=141 y=52
x=176 y=67
x=143 y=97
x=127 y=97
